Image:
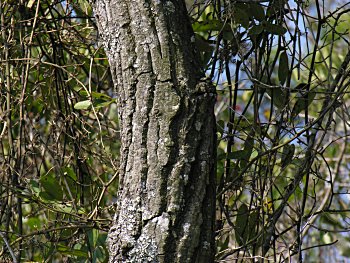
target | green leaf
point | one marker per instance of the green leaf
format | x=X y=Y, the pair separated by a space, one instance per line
x=276 y=7
x=100 y=254
x=283 y=69
x=102 y=238
x=255 y=30
x=65 y=208
x=302 y=102
x=241 y=231
x=71 y=252
x=274 y=29
x=70 y=172
x=224 y=244
x=93 y=236
x=256 y=11
x=95 y=95
x=34 y=223
x=249 y=144
x=253 y=224
x=101 y=103
x=246 y=225
x=35 y=105
x=287 y=155
x=52 y=188
x=35 y=187
x=30 y=3
x=46 y=197
x=241 y=17
x=83 y=105
x=279 y=98
x=98 y=95
x=210 y=25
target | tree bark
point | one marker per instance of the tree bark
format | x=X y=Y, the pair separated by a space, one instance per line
x=166 y=201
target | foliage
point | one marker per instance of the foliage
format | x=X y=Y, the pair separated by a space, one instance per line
x=281 y=69
x=59 y=133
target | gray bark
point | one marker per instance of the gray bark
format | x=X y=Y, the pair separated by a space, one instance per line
x=166 y=202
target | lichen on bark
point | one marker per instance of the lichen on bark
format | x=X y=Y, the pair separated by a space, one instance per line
x=166 y=200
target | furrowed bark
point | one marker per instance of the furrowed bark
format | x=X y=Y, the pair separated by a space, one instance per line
x=166 y=202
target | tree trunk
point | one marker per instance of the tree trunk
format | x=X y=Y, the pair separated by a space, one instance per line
x=166 y=202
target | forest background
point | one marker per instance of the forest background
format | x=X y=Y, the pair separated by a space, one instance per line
x=281 y=73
